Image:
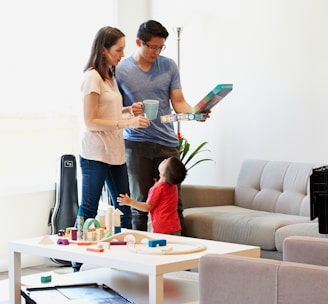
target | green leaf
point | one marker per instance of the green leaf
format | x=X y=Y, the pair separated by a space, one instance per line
x=197 y=150
x=184 y=149
x=200 y=161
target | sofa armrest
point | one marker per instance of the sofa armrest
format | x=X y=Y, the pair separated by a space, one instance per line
x=307 y=250
x=206 y=196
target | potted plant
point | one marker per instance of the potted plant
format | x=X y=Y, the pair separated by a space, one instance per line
x=186 y=155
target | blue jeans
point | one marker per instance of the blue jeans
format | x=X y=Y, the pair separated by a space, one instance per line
x=95 y=175
x=143 y=159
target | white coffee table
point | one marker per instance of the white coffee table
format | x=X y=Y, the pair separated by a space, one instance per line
x=122 y=258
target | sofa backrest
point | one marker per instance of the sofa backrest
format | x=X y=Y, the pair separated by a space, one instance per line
x=302 y=283
x=274 y=186
x=230 y=279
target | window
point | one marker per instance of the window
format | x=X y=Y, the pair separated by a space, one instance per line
x=44 y=47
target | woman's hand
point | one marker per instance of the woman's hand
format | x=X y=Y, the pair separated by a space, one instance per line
x=138 y=122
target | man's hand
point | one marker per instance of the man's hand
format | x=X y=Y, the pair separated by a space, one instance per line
x=207 y=115
x=137 y=108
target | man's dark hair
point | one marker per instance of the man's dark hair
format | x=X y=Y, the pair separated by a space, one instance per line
x=151 y=28
x=175 y=171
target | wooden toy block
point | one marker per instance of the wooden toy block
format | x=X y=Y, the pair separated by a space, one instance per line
x=46 y=278
x=63 y=242
x=118 y=243
x=83 y=243
x=95 y=249
x=156 y=243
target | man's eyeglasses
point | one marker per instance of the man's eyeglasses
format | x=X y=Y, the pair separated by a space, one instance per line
x=153 y=47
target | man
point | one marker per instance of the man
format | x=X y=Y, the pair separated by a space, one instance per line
x=149 y=75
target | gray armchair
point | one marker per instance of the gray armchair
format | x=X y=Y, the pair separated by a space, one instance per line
x=297 y=279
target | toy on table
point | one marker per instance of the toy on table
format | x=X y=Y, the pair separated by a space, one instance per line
x=155 y=243
x=80 y=223
x=117 y=220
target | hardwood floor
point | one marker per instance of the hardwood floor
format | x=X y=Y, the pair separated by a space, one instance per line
x=26 y=272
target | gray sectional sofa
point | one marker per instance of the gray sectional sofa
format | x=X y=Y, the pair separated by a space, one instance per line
x=270 y=202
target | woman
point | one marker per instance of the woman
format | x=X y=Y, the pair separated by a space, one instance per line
x=102 y=155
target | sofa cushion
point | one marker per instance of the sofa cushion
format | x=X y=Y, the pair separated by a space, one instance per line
x=300 y=229
x=275 y=186
x=237 y=225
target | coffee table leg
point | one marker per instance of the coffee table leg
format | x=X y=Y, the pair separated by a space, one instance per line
x=14 y=277
x=156 y=289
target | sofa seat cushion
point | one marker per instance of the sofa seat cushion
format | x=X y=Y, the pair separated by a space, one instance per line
x=237 y=225
x=300 y=229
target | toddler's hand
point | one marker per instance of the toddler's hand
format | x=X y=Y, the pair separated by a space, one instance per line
x=123 y=199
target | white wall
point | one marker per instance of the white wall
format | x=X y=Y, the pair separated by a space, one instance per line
x=44 y=47
x=24 y=213
x=42 y=62
x=275 y=54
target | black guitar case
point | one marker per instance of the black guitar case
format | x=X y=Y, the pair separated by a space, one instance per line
x=64 y=212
